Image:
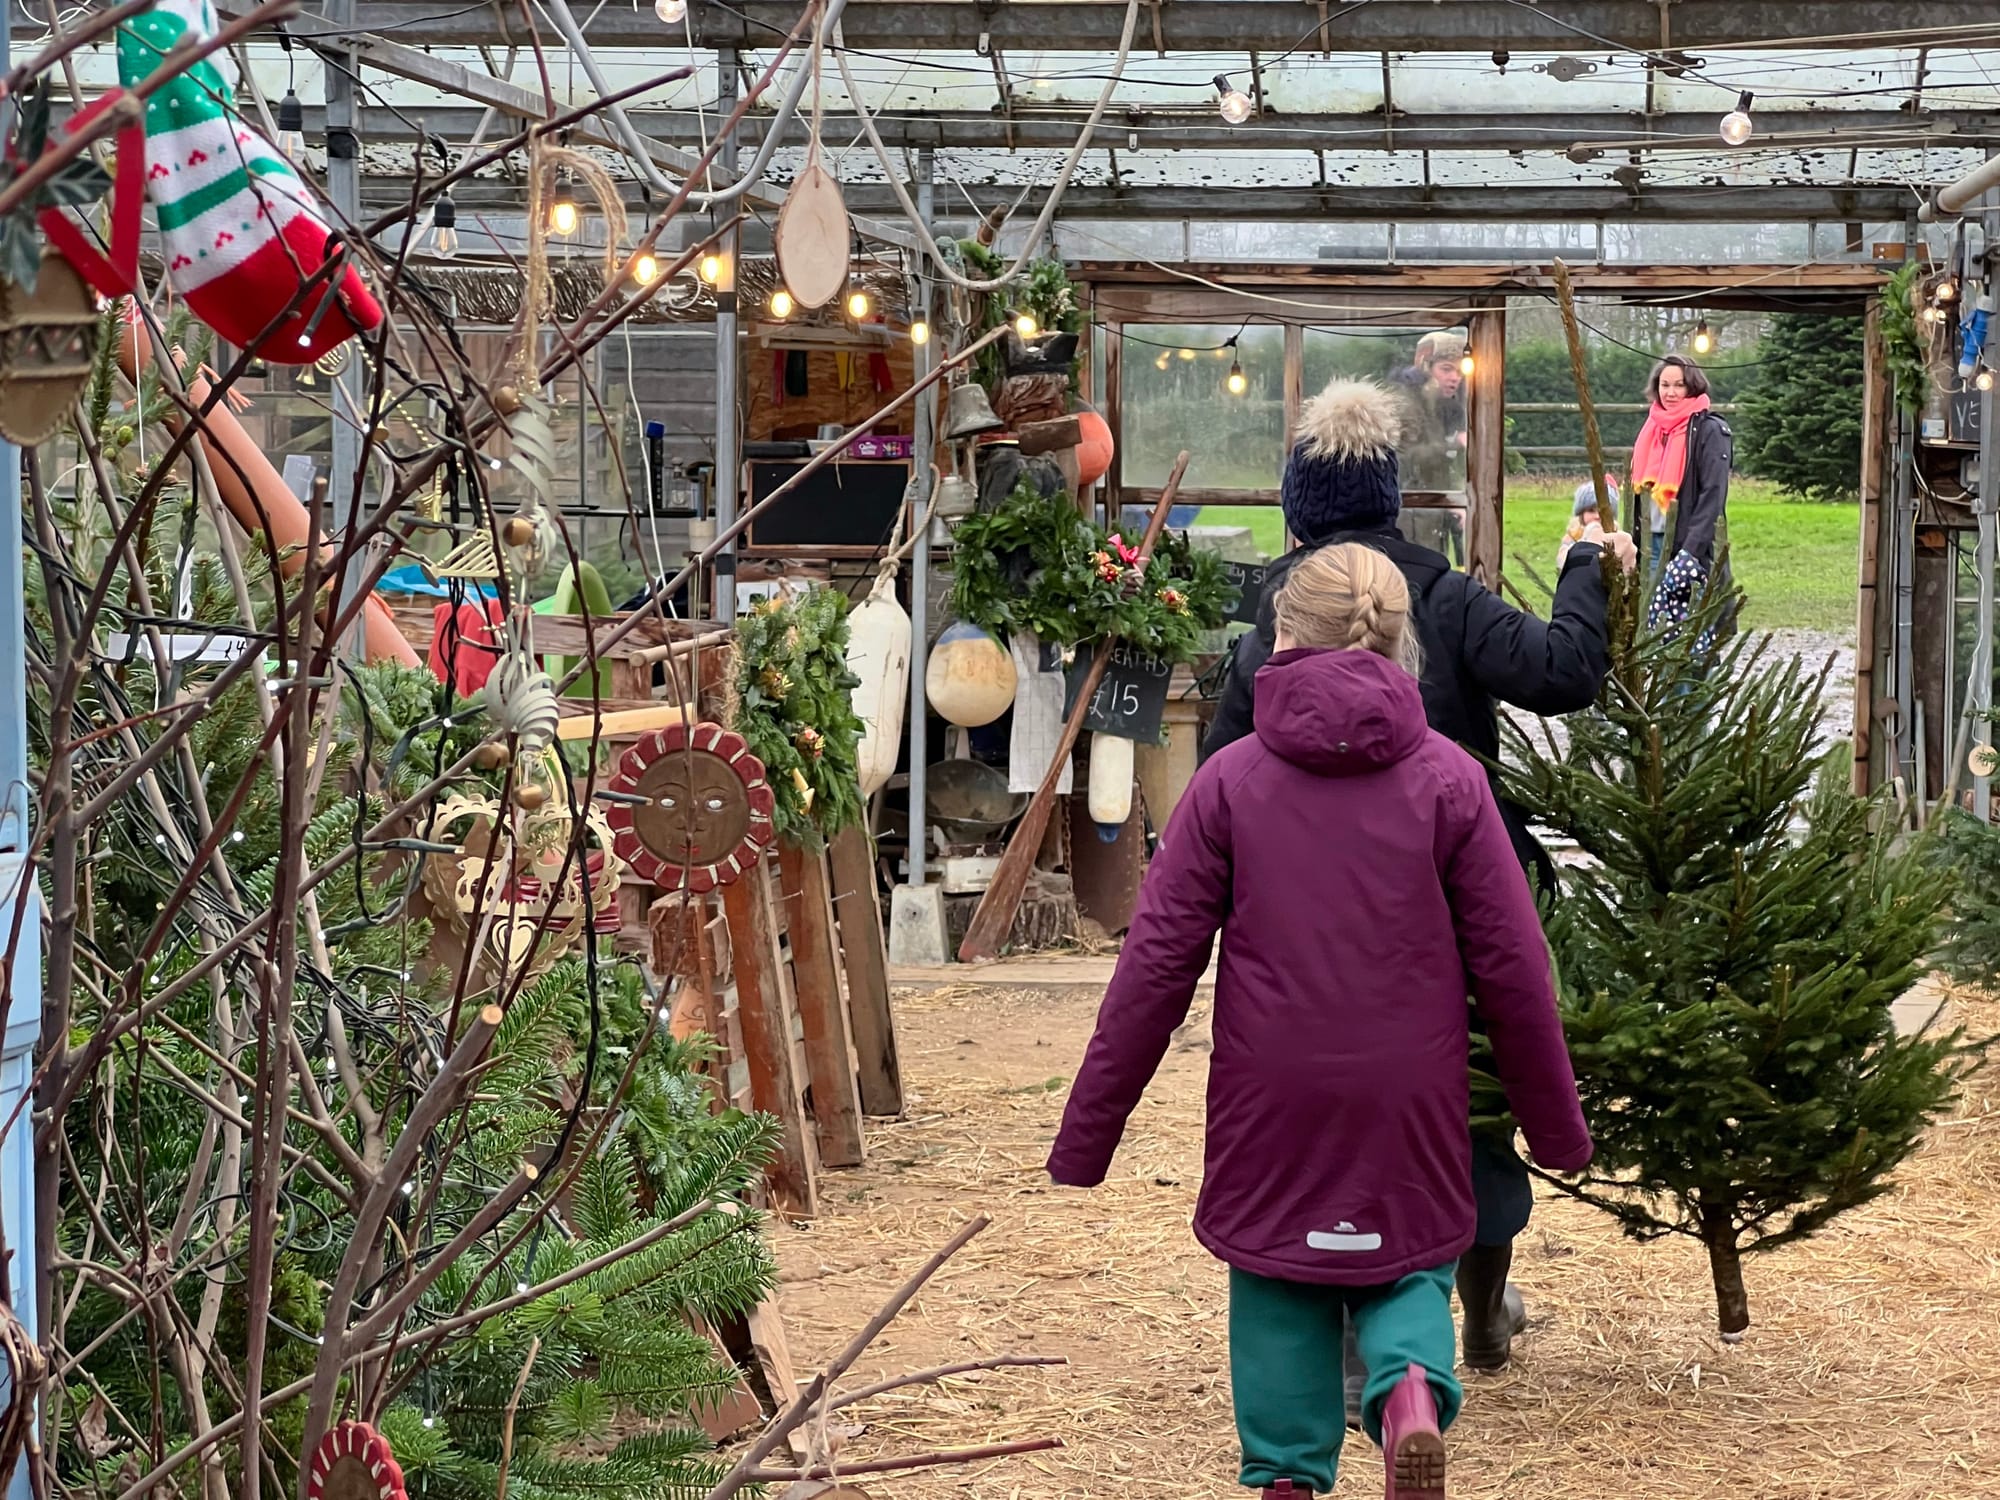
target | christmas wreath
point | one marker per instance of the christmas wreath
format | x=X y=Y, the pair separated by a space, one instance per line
x=795 y=708
x=1037 y=563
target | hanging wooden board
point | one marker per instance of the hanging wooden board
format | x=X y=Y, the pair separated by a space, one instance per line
x=812 y=237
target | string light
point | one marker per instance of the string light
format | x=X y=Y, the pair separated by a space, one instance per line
x=1984 y=379
x=563 y=217
x=1236 y=105
x=646 y=268
x=1238 y=382
x=1025 y=325
x=1947 y=289
x=1187 y=354
x=444 y=227
x=858 y=305
x=711 y=269
x=1466 y=365
x=1737 y=126
x=672 y=12
x=292 y=126
x=920 y=332
x=1703 y=339
x=781 y=303
x=1162 y=361
x=1933 y=313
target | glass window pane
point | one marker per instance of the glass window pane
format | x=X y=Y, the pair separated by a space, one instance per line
x=1176 y=391
x=1421 y=366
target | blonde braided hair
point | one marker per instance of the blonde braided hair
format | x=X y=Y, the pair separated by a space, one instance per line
x=1349 y=598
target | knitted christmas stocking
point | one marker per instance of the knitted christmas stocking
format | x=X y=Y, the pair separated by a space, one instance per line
x=238 y=229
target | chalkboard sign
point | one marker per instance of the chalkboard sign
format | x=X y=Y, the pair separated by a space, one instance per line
x=844 y=507
x=1132 y=698
x=1248 y=577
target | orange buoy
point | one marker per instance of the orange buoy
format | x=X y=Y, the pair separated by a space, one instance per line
x=1093 y=454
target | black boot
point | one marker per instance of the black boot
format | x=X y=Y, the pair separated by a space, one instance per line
x=1355 y=1374
x=1493 y=1310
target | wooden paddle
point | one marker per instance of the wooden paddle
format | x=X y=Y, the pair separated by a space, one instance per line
x=811 y=240
x=994 y=918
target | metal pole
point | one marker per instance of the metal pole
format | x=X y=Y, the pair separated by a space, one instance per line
x=343 y=190
x=920 y=557
x=22 y=1011
x=1902 y=662
x=1981 y=687
x=728 y=459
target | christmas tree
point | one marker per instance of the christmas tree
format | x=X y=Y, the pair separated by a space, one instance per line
x=1799 y=425
x=1730 y=947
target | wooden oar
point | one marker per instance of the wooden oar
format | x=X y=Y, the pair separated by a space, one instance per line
x=994 y=918
x=1593 y=443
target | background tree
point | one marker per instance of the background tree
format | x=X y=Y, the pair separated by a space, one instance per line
x=1798 y=421
x=1730 y=949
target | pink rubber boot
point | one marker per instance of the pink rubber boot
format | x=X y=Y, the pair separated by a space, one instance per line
x=1284 y=1489
x=1412 y=1446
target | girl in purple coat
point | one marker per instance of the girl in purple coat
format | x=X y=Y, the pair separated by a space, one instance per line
x=1363 y=883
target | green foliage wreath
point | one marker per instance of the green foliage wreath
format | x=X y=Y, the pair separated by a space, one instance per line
x=795 y=707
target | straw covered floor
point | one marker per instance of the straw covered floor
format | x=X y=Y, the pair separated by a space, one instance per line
x=1870 y=1370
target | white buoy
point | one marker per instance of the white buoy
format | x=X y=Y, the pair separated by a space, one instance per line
x=970 y=677
x=1110 y=795
x=878 y=652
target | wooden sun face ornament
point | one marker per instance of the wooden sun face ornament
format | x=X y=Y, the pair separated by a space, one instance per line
x=707 y=810
x=353 y=1462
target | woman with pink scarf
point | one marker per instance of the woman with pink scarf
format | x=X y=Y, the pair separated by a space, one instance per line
x=1681 y=461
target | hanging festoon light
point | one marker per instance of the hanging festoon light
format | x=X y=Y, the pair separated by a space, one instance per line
x=563 y=215
x=1947 y=289
x=672 y=12
x=712 y=268
x=1737 y=126
x=1025 y=324
x=444 y=227
x=920 y=331
x=781 y=303
x=1467 y=364
x=1238 y=382
x=1235 y=104
x=645 y=268
x=1703 y=339
x=1163 y=361
x=292 y=126
x=1187 y=354
x=858 y=305
x=1984 y=379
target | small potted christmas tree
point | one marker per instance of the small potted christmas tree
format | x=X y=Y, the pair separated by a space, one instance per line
x=1729 y=948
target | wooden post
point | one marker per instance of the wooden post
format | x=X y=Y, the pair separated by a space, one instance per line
x=1486 y=446
x=836 y=1102
x=764 y=1015
x=1876 y=431
x=858 y=912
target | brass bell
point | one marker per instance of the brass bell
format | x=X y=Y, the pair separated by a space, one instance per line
x=969 y=413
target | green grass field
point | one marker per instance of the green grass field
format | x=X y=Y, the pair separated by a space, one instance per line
x=1797 y=562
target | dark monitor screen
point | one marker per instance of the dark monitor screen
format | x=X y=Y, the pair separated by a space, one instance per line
x=845 y=504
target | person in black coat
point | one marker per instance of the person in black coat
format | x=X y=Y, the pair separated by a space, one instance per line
x=1340 y=485
x=1681 y=459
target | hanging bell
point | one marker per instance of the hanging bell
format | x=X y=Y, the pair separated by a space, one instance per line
x=969 y=413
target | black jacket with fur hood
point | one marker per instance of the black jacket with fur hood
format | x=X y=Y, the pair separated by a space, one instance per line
x=1478 y=651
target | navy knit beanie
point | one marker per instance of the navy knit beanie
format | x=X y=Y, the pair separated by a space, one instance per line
x=1342 y=472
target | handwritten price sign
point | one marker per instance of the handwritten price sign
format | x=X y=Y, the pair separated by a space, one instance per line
x=1131 y=700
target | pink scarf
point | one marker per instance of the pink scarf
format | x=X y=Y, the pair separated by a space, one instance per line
x=1659 y=457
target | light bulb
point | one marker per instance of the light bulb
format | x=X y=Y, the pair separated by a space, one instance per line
x=1933 y=313
x=858 y=305
x=1187 y=354
x=1947 y=289
x=673 y=12
x=1984 y=379
x=1162 y=362
x=711 y=269
x=1235 y=104
x=563 y=217
x=292 y=126
x=1238 y=381
x=1466 y=365
x=645 y=268
x=1025 y=325
x=444 y=227
x=1737 y=126
x=781 y=303
x=920 y=332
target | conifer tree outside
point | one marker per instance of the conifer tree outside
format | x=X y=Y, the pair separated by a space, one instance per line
x=1729 y=949
x=1798 y=420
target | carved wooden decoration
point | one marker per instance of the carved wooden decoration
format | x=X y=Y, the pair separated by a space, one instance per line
x=707 y=811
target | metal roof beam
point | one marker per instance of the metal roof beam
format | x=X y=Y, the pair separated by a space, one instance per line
x=1610 y=203
x=1206 y=131
x=1274 y=26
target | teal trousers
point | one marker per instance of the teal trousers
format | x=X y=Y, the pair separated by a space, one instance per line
x=1285 y=1365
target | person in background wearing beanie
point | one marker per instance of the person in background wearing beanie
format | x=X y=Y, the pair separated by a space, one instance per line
x=1340 y=485
x=1585 y=516
x=1430 y=457
x=1337 y=1164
